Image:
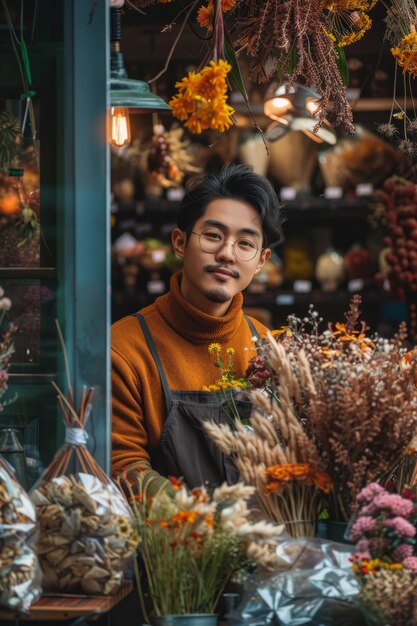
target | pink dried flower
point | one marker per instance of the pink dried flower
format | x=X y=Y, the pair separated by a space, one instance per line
x=368 y=493
x=395 y=503
x=362 y=545
x=402 y=552
x=377 y=544
x=362 y=525
x=411 y=563
x=400 y=526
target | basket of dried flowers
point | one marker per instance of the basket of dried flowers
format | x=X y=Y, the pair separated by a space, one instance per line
x=87 y=533
x=193 y=543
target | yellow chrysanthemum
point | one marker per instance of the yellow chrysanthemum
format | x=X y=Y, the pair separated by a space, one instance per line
x=201 y=101
x=214 y=348
x=230 y=351
x=361 y=25
x=337 y=6
x=406 y=54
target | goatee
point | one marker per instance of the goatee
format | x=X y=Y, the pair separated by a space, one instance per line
x=218 y=295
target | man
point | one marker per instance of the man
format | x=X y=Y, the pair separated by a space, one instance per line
x=160 y=358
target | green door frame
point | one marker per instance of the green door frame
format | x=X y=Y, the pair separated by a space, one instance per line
x=84 y=224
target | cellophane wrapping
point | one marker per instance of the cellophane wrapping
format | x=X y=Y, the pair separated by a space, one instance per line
x=20 y=574
x=317 y=589
x=87 y=535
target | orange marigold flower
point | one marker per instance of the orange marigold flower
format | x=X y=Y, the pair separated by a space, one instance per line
x=209 y=519
x=228 y=5
x=185 y=517
x=323 y=481
x=205 y=16
x=305 y=472
x=274 y=485
x=279 y=472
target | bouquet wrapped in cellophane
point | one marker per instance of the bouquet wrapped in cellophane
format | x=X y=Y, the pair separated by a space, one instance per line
x=20 y=575
x=87 y=534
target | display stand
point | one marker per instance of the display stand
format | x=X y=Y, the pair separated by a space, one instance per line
x=55 y=607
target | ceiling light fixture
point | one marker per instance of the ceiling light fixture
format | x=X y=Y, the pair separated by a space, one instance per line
x=292 y=109
x=126 y=93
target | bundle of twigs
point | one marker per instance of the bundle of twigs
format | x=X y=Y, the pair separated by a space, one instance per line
x=74 y=450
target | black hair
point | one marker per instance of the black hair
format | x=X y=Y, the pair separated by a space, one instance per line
x=238 y=182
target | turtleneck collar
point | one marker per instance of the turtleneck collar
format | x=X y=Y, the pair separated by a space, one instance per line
x=193 y=324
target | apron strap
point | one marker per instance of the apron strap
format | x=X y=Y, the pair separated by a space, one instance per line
x=252 y=328
x=154 y=352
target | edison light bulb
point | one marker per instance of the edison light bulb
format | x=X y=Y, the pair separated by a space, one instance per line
x=119 y=127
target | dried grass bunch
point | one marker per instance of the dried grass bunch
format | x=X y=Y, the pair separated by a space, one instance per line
x=335 y=400
x=193 y=543
x=275 y=454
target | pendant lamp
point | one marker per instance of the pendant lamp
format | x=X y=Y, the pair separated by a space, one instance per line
x=126 y=93
x=292 y=109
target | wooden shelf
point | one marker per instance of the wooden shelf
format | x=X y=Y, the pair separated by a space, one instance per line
x=66 y=607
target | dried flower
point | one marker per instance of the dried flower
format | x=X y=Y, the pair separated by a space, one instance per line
x=408 y=147
x=202 y=99
x=406 y=53
x=227 y=378
x=392 y=594
x=387 y=130
x=199 y=542
x=333 y=400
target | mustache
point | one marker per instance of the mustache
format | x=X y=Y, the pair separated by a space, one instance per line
x=214 y=267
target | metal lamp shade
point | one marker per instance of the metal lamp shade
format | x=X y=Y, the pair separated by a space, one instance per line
x=135 y=94
x=307 y=124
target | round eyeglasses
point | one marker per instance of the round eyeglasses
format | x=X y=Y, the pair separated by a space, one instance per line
x=211 y=240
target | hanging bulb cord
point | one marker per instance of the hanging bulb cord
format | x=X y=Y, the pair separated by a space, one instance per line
x=117 y=66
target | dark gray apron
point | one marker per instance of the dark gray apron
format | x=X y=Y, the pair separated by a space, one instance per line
x=185 y=450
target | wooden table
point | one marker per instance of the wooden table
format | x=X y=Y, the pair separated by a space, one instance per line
x=67 y=607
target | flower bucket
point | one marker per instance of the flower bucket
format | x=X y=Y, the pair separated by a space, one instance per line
x=299 y=529
x=189 y=619
x=335 y=531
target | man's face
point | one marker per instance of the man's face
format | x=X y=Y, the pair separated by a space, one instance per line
x=210 y=280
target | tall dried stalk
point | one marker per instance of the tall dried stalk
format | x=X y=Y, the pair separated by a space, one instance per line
x=75 y=453
x=277 y=438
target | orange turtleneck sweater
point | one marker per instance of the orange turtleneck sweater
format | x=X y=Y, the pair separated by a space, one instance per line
x=182 y=334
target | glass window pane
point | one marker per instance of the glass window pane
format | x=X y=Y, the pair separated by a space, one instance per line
x=32 y=312
x=19 y=186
